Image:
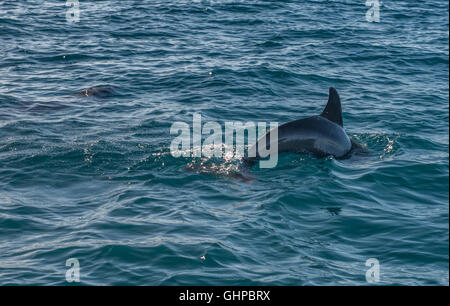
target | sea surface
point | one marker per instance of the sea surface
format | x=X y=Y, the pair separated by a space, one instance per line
x=92 y=178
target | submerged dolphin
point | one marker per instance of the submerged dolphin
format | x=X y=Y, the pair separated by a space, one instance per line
x=321 y=135
x=101 y=92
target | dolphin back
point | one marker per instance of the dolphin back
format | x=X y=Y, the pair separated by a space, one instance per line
x=320 y=135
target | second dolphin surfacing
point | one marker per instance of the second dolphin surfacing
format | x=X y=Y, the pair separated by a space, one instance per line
x=321 y=135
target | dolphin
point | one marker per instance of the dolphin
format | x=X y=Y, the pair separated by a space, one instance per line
x=321 y=135
x=101 y=92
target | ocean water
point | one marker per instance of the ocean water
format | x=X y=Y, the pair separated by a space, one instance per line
x=92 y=177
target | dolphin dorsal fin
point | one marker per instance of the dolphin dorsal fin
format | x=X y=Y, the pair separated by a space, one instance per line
x=333 y=111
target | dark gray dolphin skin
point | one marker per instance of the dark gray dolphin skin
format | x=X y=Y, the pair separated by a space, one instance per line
x=321 y=135
x=101 y=91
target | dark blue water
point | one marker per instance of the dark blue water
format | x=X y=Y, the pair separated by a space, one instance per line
x=92 y=178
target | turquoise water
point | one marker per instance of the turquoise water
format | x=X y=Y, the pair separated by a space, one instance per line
x=92 y=178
